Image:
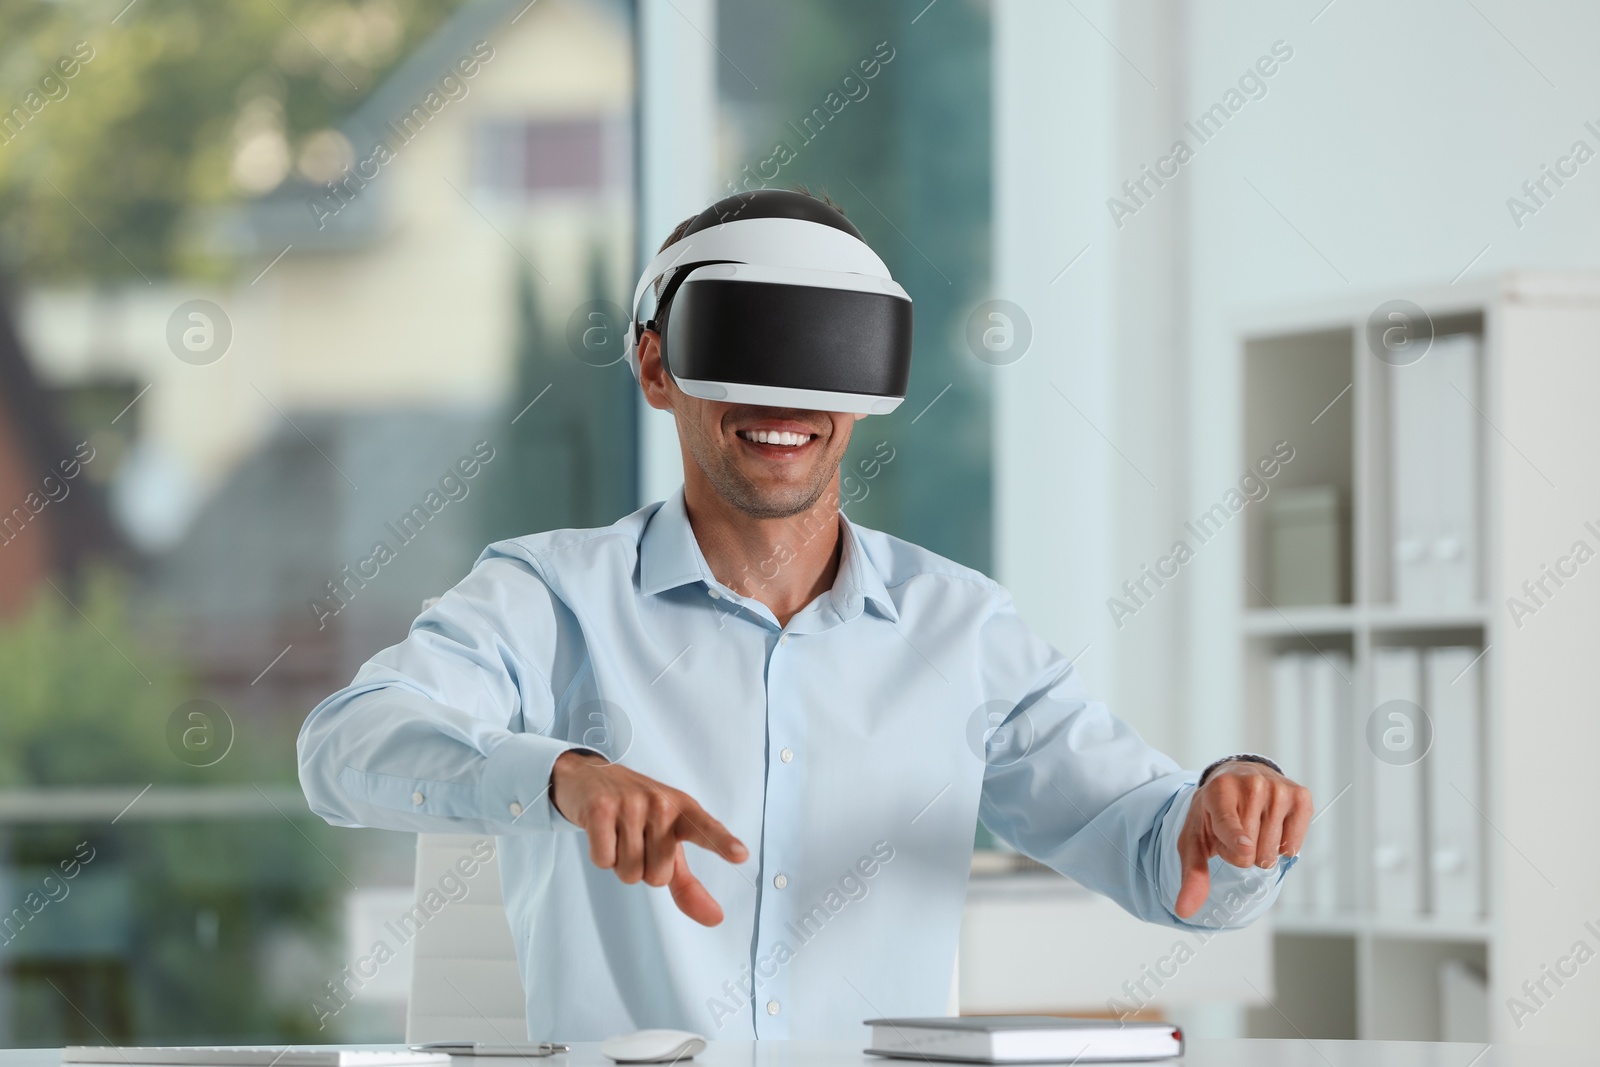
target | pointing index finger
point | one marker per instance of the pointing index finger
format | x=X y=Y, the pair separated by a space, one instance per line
x=698 y=827
x=1196 y=884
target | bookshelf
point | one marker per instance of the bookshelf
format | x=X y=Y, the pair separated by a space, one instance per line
x=1309 y=377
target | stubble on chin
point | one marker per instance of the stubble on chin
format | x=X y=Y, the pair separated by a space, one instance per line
x=730 y=483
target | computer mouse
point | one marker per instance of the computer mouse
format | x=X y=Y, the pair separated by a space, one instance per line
x=653 y=1046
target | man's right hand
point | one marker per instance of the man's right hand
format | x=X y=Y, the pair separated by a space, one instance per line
x=637 y=827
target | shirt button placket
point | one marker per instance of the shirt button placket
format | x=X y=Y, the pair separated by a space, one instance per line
x=782 y=803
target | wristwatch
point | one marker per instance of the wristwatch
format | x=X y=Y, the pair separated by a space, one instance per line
x=1240 y=757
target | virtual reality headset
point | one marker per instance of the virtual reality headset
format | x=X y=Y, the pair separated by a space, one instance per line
x=773 y=298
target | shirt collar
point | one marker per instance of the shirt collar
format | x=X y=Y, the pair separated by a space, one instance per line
x=669 y=556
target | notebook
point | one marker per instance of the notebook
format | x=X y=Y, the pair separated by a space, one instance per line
x=479 y=1048
x=246 y=1056
x=1024 y=1039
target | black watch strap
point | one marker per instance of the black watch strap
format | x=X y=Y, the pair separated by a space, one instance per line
x=1240 y=757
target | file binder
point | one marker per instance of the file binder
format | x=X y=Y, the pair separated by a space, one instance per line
x=1289 y=749
x=1328 y=680
x=1398 y=886
x=1455 y=783
x=1434 y=440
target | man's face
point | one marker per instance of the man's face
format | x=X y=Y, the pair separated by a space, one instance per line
x=767 y=462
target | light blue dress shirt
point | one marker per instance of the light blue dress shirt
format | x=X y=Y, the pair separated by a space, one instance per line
x=853 y=751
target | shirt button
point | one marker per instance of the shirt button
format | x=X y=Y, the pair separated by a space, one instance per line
x=714 y=593
x=417 y=798
x=780 y=880
x=786 y=755
x=784 y=640
x=772 y=1007
x=516 y=809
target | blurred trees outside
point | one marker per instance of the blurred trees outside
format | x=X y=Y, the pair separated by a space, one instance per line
x=207 y=930
x=121 y=126
x=176 y=106
x=562 y=463
x=907 y=156
x=175 y=929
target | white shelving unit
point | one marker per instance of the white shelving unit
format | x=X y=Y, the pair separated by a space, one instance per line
x=1357 y=973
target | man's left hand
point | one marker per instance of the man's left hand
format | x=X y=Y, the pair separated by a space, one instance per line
x=1248 y=814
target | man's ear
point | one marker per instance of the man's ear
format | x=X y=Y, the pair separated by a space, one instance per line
x=653 y=377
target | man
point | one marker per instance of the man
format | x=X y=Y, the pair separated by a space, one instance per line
x=821 y=712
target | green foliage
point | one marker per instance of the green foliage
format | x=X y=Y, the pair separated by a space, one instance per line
x=570 y=457
x=260 y=883
x=86 y=695
x=187 y=929
x=106 y=180
x=175 y=932
x=73 y=710
x=169 y=933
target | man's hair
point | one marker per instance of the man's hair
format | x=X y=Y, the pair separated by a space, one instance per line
x=678 y=231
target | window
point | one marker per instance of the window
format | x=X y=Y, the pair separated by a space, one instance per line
x=863 y=103
x=533 y=156
x=304 y=297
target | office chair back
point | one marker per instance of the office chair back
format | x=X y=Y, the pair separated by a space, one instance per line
x=464 y=980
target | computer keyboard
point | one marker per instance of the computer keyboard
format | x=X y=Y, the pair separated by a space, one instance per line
x=246 y=1056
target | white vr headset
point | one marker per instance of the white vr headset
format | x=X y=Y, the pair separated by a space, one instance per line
x=783 y=306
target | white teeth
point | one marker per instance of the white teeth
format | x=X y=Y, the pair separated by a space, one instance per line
x=775 y=437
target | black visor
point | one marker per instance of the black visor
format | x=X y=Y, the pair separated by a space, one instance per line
x=769 y=335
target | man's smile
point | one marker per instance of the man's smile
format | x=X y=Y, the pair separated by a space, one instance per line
x=778 y=440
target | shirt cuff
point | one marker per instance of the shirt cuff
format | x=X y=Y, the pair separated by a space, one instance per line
x=515 y=788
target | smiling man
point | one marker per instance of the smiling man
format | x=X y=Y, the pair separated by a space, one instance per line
x=820 y=711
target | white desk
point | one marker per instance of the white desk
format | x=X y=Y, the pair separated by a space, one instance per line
x=1217 y=1053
